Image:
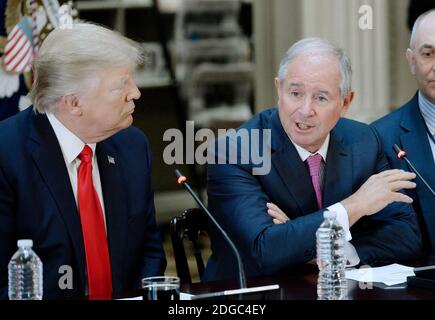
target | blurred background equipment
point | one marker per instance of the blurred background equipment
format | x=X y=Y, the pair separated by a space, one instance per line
x=213 y=62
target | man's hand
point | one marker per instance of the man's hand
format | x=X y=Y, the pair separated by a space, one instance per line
x=280 y=217
x=378 y=192
x=276 y=213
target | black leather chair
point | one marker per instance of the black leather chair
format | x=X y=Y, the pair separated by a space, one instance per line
x=189 y=225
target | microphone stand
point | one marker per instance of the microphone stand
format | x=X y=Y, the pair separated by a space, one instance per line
x=401 y=154
x=242 y=278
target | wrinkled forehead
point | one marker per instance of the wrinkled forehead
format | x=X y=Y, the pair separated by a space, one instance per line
x=320 y=61
x=314 y=69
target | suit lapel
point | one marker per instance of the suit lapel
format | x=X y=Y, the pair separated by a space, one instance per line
x=115 y=204
x=48 y=157
x=419 y=153
x=338 y=171
x=296 y=178
x=294 y=174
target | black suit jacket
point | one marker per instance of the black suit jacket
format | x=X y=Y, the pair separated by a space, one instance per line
x=406 y=128
x=238 y=200
x=37 y=202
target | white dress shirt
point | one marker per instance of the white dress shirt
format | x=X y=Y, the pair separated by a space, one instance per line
x=71 y=147
x=427 y=110
x=341 y=213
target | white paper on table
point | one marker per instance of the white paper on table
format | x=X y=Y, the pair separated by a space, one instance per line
x=389 y=275
x=183 y=296
x=133 y=298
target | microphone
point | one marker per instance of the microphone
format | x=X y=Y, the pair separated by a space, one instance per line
x=182 y=180
x=401 y=154
x=255 y=293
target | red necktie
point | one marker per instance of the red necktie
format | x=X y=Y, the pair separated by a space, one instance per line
x=94 y=232
x=314 y=162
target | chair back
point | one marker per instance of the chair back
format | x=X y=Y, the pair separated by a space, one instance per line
x=189 y=226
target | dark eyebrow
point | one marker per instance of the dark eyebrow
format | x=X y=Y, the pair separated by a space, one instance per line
x=295 y=84
x=324 y=92
x=426 y=46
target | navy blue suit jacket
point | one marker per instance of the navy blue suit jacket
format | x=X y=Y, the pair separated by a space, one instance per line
x=406 y=128
x=238 y=200
x=37 y=202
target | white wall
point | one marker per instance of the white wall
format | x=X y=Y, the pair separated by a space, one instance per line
x=381 y=76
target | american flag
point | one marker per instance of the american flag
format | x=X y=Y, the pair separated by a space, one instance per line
x=18 y=50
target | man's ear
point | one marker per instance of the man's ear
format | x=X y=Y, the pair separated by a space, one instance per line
x=72 y=105
x=278 y=87
x=346 y=103
x=411 y=60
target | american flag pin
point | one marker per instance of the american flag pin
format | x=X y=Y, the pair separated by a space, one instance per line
x=111 y=159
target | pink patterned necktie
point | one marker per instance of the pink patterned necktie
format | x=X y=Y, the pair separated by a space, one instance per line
x=314 y=162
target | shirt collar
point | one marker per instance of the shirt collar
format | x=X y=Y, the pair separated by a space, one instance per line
x=304 y=154
x=70 y=144
x=427 y=110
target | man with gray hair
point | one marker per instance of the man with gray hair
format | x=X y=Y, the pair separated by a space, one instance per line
x=75 y=177
x=412 y=127
x=319 y=161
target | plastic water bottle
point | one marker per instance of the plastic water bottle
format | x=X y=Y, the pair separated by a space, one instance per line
x=25 y=273
x=331 y=260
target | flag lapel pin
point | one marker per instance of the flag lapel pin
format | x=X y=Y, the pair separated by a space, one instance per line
x=111 y=160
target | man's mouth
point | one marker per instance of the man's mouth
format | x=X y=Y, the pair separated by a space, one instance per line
x=303 y=126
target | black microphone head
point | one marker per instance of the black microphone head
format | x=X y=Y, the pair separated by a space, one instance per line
x=399 y=152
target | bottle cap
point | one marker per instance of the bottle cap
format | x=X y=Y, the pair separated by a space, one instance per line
x=327 y=214
x=25 y=243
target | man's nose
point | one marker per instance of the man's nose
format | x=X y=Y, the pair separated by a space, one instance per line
x=307 y=107
x=134 y=92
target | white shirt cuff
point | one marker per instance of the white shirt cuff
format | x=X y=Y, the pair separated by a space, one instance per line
x=351 y=255
x=342 y=218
